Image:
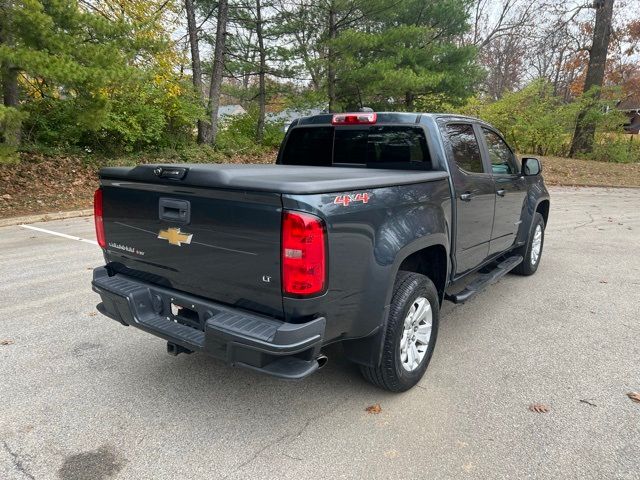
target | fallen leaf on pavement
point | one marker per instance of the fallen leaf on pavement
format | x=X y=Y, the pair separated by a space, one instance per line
x=92 y=314
x=603 y=281
x=539 y=408
x=635 y=396
x=6 y=342
x=375 y=409
x=588 y=403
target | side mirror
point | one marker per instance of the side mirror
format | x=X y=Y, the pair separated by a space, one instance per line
x=531 y=166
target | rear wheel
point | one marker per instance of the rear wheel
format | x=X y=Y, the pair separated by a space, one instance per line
x=532 y=250
x=410 y=336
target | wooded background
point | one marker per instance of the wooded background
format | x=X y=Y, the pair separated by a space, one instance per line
x=116 y=77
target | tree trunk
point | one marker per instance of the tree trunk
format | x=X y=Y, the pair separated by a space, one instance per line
x=331 y=67
x=408 y=101
x=8 y=71
x=9 y=74
x=586 y=129
x=217 y=71
x=262 y=96
x=10 y=93
x=196 y=67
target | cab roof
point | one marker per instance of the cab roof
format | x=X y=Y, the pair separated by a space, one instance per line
x=381 y=117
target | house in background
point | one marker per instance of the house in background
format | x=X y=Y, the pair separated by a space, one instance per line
x=230 y=111
x=285 y=117
x=630 y=106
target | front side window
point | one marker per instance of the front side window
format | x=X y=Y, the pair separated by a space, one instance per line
x=465 y=147
x=500 y=154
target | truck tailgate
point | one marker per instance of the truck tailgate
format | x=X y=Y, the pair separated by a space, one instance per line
x=220 y=244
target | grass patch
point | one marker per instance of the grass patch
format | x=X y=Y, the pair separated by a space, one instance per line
x=589 y=173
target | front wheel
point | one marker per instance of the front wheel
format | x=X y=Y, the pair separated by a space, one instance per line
x=532 y=250
x=410 y=335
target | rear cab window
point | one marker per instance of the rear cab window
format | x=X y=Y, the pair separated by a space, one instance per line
x=374 y=146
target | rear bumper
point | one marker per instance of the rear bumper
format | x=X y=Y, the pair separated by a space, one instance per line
x=240 y=338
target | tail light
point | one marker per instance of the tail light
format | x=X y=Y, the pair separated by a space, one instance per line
x=304 y=254
x=367 y=118
x=97 y=215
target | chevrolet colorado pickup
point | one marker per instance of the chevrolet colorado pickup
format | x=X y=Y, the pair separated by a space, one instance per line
x=363 y=227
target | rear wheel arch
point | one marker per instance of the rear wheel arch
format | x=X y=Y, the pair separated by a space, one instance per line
x=402 y=328
x=432 y=262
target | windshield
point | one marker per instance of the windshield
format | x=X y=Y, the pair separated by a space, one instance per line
x=397 y=147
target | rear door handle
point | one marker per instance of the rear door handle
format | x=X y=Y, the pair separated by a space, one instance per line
x=466 y=196
x=501 y=193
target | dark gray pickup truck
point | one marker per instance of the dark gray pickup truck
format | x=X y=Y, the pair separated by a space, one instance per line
x=365 y=225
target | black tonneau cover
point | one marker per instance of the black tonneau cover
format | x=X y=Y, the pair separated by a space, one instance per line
x=275 y=178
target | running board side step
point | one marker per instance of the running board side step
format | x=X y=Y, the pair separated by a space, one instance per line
x=485 y=279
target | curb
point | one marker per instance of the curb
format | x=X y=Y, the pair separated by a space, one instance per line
x=45 y=217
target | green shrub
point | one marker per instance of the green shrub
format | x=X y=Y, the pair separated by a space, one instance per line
x=237 y=134
x=615 y=148
x=136 y=116
x=10 y=125
x=535 y=121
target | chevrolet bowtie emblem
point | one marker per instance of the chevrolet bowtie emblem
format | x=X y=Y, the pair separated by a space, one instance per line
x=175 y=237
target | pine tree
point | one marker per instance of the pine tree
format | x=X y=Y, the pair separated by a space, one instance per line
x=406 y=56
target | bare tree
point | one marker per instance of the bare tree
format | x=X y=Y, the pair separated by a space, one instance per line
x=196 y=67
x=217 y=71
x=262 y=70
x=492 y=21
x=586 y=128
x=331 y=56
x=501 y=31
x=503 y=60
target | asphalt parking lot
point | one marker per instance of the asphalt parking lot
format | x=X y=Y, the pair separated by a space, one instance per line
x=83 y=397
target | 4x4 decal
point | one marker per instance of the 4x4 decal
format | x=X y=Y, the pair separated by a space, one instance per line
x=345 y=200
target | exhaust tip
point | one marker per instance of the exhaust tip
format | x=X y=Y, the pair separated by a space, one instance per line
x=322 y=361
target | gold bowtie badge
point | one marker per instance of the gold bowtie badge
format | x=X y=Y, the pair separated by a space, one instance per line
x=175 y=237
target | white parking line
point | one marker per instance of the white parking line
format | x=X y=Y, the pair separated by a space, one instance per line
x=63 y=235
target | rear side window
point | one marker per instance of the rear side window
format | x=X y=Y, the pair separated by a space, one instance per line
x=464 y=144
x=375 y=146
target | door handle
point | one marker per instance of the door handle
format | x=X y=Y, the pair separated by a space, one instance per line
x=501 y=192
x=466 y=196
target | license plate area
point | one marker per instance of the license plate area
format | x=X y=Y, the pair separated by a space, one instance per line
x=186 y=315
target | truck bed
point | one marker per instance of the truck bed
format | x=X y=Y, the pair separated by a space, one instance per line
x=275 y=178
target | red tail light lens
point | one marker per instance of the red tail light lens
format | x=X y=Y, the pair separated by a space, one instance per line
x=303 y=254
x=97 y=215
x=367 y=118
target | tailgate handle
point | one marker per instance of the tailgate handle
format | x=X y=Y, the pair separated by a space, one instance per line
x=173 y=173
x=178 y=211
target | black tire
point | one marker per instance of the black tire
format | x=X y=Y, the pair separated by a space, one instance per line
x=529 y=267
x=390 y=374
